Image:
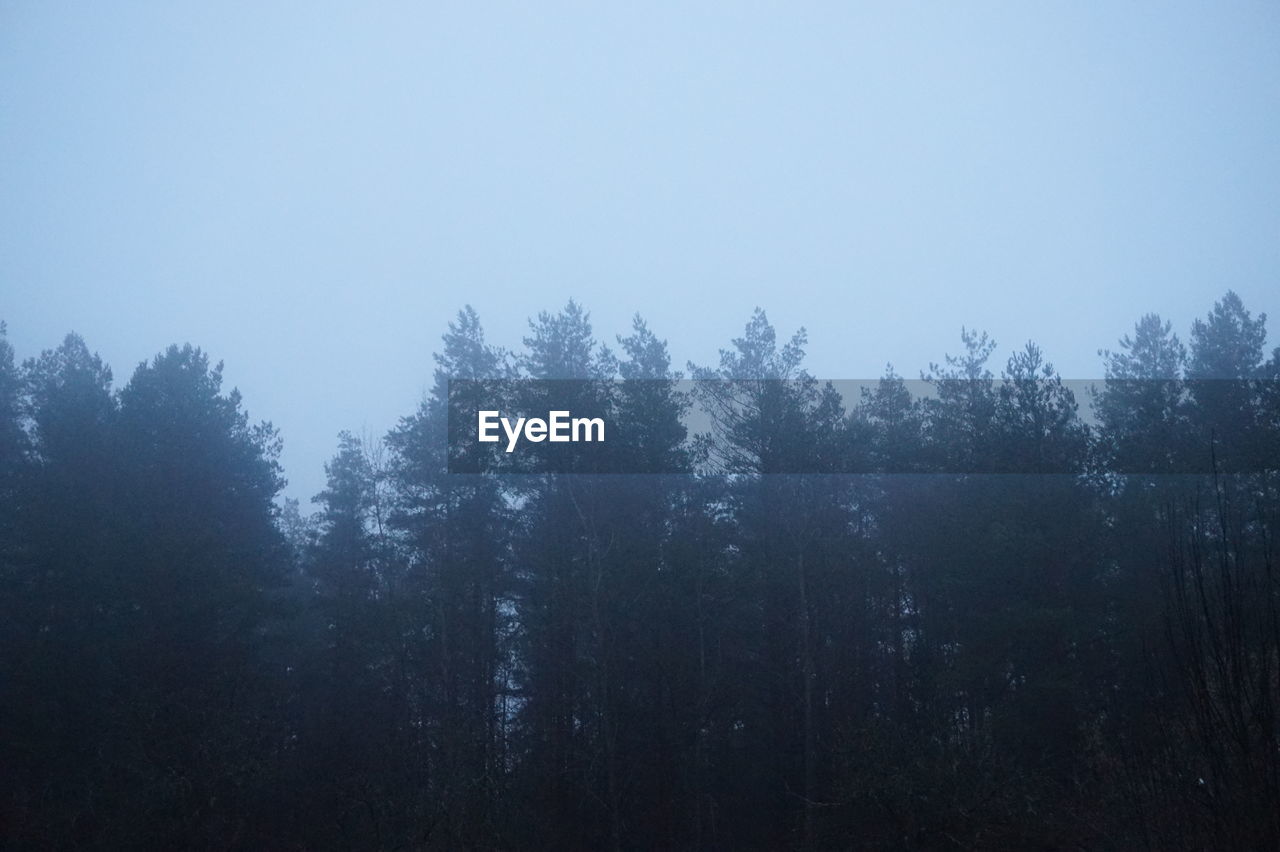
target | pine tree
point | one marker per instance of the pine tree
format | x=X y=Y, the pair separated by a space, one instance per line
x=198 y=559
x=66 y=600
x=772 y=424
x=1141 y=408
x=457 y=529
x=1223 y=368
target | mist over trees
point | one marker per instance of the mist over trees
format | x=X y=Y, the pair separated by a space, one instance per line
x=757 y=659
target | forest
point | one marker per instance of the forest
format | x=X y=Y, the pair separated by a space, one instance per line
x=1018 y=627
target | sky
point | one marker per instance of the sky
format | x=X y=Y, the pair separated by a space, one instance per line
x=310 y=191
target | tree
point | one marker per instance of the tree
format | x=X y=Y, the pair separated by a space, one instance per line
x=352 y=732
x=961 y=617
x=1038 y=418
x=457 y=531
x=14 y=461
x=1225 y=363
x=13 y=438
x=1141 y=407
x=772 y=424
x=559 y=549
x=64 y=593
x=960 y=414
x=197 y=558
x=1221 y=600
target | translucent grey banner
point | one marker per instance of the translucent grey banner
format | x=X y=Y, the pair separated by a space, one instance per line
x=944 y=426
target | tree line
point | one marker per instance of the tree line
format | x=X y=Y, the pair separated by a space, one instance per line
x=750 y=659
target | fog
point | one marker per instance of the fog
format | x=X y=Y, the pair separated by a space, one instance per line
x=310 y=192
x=730 y=427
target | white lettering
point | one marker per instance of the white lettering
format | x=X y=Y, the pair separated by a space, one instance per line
x=587 y=425
x=560 y=427
x=487 y=424
x=513 y=435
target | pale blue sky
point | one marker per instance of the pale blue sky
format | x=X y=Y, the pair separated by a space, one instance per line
x=310 y=191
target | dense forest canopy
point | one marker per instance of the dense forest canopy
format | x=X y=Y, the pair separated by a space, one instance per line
x=756 y=659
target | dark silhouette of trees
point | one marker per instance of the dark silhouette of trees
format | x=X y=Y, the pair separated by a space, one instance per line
x=146 y=545
x=455 y=535
x=974 y=611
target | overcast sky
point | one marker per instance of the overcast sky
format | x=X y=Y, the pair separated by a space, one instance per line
x=311 y=191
